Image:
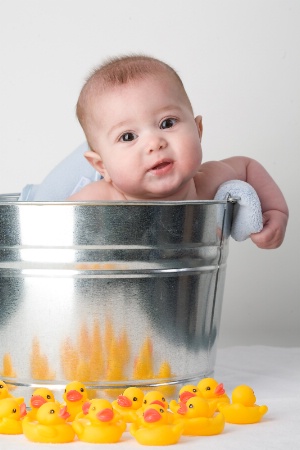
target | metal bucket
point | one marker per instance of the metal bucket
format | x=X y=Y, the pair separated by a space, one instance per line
x=113 y=294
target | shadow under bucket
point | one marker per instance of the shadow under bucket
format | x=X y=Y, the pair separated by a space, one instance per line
x=111 y=294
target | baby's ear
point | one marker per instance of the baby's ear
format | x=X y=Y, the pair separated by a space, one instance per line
x=95 y=160
x=199 y=125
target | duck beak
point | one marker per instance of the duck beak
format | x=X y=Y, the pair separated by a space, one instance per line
x=182 y=408
x=74 y=396
x=105 y=415
x=86 y=407
x=185 y=396
x=37 y=401
x=124 y=401
x=23 y=411
x=63 y=413
x=151 y=415
x=220 y=389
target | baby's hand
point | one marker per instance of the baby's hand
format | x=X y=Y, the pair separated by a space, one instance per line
x=273 y=232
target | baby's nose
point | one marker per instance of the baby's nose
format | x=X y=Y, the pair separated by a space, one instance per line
x=156 y=143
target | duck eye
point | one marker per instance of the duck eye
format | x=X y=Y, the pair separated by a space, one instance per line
x=134 y=399
x=65 y=390
x=1 y=386
x=208 y=388
x=14 y=410
x=191 y=405
x=51 y=411
x=145 y=402
x=163 y=399
x=161 y=410
x=81 y=390
x=48 y=396
x=194 y=390
x=93 y=408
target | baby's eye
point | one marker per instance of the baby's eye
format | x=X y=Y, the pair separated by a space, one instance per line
x=127 y=137
x=168 y=123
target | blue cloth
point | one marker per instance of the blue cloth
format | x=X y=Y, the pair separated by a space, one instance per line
x=68 y=177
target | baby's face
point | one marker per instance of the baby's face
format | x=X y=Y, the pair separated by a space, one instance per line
x=147 y=138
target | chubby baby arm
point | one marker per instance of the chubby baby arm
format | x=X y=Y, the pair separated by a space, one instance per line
x=272 y=234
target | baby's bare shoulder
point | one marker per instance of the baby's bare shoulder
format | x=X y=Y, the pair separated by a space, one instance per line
x=93 y=191
x=210 y=176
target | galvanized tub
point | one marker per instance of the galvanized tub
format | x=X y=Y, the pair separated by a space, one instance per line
x=113 y=294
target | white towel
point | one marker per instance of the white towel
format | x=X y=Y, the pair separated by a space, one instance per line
x=247 y=214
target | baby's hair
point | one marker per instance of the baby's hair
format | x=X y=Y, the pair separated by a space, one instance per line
x=122 y=70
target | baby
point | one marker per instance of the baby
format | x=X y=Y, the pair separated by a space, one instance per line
x=146 y=143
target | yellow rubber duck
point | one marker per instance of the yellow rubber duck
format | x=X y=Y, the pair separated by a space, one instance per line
x=4 y=392
x=155 y=398
x=75 y=396
x=186 y=392
x=11 y=413
x=213 y=392
x=154 y=427
x=101 y=423
x=195 y=415
x=50 y=425
x=128 y=403
x=38 y=398
x=243 y=409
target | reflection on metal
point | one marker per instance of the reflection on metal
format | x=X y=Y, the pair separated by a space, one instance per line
x=113 y=293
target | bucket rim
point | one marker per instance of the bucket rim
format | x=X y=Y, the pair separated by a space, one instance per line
x=12 y=199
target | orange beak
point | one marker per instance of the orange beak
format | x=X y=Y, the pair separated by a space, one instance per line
x=74 y=396
x=37 y=401
x=220 y=389
x=182 y=409
x=63 y=413
x=124 y=401
x=105 y=415
x=151 y=416
x=23 y=411
x=186 y=395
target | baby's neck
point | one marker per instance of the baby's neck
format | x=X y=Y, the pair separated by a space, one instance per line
x=186 y=193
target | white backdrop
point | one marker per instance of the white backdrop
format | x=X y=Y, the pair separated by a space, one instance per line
x=239 y=60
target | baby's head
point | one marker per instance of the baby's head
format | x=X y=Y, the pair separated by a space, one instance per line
x=121 y=71
x=140 y=127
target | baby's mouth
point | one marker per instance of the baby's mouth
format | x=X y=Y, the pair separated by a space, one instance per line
x=161 y=166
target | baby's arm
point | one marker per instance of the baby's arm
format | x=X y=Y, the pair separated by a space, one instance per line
x=274 y=207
